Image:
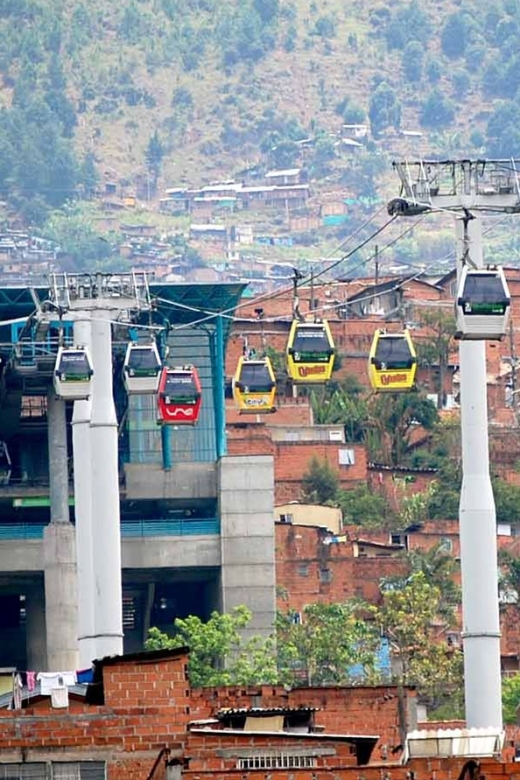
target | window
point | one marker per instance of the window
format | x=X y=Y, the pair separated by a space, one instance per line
x=325 y=575
x=453 y=639
x=57 y=770
x=129 y=611
x=303 y=569
x=296 y=618
x=276 y=761
x=346 y=457
x=286 y=518
x=446 y=545
x=401 y=539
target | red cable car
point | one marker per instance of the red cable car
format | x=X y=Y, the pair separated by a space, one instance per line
x=179 y=396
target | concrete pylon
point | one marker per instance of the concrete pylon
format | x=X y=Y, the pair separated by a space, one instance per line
x=59 y=550
x=105 y=521
x=83 y=511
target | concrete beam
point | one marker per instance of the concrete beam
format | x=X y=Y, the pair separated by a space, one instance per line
x=182 y=481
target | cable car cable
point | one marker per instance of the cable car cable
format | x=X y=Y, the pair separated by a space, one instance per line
x=278 y=293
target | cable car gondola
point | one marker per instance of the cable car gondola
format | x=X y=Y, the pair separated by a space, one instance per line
x=141 y=369
x=254 y=386
x=73 y=374
x=179 y=396
x=310 y=352
x=392 y=362
x=483 y=304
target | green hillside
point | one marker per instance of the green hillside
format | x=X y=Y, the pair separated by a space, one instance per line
x=157 y=93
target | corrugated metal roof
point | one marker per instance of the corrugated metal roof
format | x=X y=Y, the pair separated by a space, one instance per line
x=263 y=711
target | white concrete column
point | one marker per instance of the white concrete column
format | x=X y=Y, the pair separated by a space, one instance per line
x=106 y=534
x=83 y=511
x=59 y=550
x=478 y=530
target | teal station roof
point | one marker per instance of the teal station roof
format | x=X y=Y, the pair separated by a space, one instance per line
x=176 y=303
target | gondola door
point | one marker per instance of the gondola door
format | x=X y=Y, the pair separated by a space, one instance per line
x=179 y=397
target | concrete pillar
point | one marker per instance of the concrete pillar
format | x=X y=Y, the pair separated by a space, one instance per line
x=246 y=502
x=59 y=550
x=61 y=611
x=106 y=534
x=35 y=634
x=83 y=512
x=58 y=459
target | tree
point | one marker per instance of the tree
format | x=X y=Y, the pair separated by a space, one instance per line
x=439 y=569
x=502 y=129
x=363 y=506
x=454 y=35
x=218 y=653
x=326 y=645
x=384 y=109
x=408 y=23
x=343 y=405
x=72 y=231
x=406 y=617
x=461 y=82
x=154 y=156
x=395 y=416
x=412 y=61
x=510 y=698
x=509 y=578
x=437 y=110
x=434 y=349
x=320 y=482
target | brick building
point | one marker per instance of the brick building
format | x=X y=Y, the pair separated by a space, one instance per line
x=140 y=719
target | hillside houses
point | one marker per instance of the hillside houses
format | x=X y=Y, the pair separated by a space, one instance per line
x=287 y=189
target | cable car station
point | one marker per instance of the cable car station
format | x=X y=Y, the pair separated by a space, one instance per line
x=120 y=508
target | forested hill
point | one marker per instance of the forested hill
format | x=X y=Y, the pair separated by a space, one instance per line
x=194 y=90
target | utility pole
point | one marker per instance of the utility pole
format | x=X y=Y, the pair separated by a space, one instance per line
x=465 y=189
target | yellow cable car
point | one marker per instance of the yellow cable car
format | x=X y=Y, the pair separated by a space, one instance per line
x=392 y=363
x=254 y=386
x=310 y=352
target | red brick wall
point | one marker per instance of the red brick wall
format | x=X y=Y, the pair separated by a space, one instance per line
x=300 y=546
x=146 y=707
x=292 y=461
x=341 y=710
x=438 y=768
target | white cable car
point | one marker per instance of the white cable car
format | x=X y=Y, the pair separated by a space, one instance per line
x=483 y=304
x=142 y=369
x=73 y=374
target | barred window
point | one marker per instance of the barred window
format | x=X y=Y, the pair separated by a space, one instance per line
x=277 y=761
x=56 y=770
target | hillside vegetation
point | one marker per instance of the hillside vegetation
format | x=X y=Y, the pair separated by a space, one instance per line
x=162 y=92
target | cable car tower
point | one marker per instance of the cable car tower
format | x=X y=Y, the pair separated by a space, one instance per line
x=95 y=302
x=467 y=188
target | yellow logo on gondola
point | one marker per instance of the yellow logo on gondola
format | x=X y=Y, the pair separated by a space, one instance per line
x=391 y=379
x=319 y=368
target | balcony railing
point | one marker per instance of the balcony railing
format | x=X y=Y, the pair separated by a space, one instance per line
x=205 y=526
